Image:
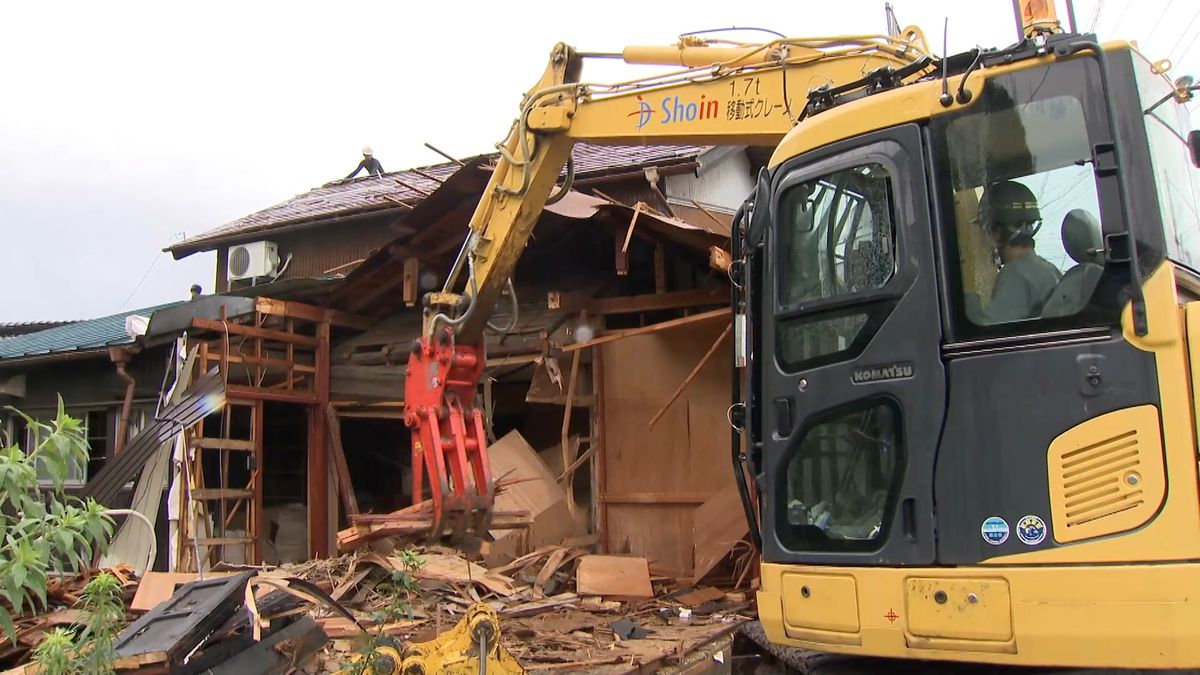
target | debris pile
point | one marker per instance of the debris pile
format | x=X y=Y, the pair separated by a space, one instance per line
x=561 y=609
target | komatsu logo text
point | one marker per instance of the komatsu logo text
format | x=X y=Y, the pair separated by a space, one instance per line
x=891 y=371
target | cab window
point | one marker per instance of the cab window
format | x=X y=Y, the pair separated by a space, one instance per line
x=1025 y=211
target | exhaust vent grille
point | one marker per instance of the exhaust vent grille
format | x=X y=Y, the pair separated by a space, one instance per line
x=1106 y=475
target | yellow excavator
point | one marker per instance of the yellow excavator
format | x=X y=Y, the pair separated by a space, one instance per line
x=967 y=330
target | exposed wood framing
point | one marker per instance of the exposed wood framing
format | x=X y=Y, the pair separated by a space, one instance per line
x=567 y=459
x=253 y=332
x=318 y=466
x=656 y=498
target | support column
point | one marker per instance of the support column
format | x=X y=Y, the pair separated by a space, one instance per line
x=318 y=464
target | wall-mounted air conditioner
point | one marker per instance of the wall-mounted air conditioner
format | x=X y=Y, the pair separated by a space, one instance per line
x=252 y=260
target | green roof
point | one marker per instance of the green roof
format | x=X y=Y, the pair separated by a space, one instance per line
x=80 y=336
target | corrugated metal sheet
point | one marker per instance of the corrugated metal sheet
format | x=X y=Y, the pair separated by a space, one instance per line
x=81 y=335
x=368 y=194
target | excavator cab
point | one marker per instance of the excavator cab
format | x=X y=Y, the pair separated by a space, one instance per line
x=969 y=373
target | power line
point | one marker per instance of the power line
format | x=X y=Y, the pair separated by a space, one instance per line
x=1096 y=16
x=1184 y=33
x=141 y=281
x=1156 y=23
x=1123 y=13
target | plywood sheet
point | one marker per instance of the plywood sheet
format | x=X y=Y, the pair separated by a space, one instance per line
x=531 y=487
x=613 y=576
x=718 y=525
x=686 y=452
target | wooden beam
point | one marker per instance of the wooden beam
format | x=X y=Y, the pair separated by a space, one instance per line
x=653 y=328
x=430 y=176
x=567 y=459
x=412 y=187
x=656 y=498
x=252 y=331
x=690 y=376
x=265 y=361
x=298 y=310
x=623 y=248
x=221 y=444
x=341 y=469
x=630 y=304
x=259 y=394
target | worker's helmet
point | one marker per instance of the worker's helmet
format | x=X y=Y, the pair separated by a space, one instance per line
x=1011 y=209
x=367 y=151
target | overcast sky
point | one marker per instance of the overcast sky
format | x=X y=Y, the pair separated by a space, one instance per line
x=125 y=126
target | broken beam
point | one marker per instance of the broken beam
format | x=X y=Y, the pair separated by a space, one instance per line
x=653 y=328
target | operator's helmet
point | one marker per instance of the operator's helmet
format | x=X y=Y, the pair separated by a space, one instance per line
x=1010 y=209
x=367 y=151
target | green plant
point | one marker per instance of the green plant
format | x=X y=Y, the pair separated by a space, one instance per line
x=397 y=591
x=44 y=530
x=89 y=648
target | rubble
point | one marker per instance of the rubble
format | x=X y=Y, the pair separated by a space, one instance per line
x=331 y=608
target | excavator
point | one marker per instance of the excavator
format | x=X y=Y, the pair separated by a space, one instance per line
x=967 y=334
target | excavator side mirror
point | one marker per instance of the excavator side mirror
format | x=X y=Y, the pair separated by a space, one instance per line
x=1193 y=142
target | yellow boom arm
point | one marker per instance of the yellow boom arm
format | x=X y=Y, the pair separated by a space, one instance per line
x=724 y=94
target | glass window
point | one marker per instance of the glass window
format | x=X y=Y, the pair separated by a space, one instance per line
x=1025 y=201
x=1167 y=126
x=836 y=234
x=840 y=479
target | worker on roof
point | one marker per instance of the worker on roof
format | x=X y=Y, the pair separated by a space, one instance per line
x=369 y=163
x=1009 y=211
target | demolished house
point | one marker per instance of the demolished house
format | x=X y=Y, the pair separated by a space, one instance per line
x=266 y=420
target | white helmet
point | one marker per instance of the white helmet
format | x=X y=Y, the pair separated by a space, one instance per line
x=367 y=150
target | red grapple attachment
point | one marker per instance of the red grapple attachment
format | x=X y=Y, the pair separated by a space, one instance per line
x=449 y=444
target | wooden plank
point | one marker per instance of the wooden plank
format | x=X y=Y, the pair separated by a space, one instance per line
x=718 y=525
x=202 y=494
x=341 y=469
x=155 y=587
x=548 y=570
x=221 y=444
x=700 y=596
x=253 y=332
x=653 y=328
x=656 y=498
x=613 y=577
x=630 y=304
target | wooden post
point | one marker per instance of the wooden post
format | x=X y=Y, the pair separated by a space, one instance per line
x=256 y=529
x=318 y=465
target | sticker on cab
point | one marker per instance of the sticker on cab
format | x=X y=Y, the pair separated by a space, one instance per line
x=1031 y=530
x=994 y=530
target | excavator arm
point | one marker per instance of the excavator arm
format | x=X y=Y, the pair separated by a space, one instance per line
x=720 y=94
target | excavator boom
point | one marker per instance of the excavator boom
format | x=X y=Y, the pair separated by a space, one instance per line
x=727 y=95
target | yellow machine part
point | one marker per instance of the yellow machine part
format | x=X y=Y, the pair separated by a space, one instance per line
x=1128 y=616
x=471 y=647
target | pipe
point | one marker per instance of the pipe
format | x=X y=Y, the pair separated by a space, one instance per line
x=153 y=544
x=121 y=358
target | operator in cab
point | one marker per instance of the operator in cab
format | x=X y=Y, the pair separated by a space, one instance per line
x=1009 y=212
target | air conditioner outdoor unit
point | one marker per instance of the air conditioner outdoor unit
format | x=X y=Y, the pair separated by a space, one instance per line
x=256 y=259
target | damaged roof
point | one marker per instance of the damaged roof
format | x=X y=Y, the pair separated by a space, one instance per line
x=368 y=195
x=80 y=336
